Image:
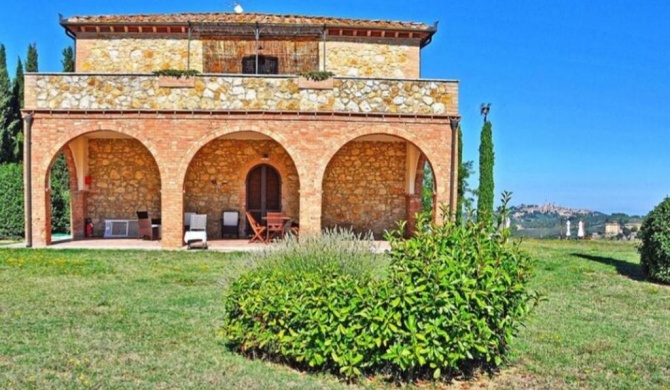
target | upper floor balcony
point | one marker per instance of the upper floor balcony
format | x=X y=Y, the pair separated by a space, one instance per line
x=225 y=92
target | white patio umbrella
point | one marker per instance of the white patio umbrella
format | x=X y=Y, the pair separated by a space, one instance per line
x=580 y=230
x=567 y=229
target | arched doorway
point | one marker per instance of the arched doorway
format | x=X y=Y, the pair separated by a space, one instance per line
x=263 y=191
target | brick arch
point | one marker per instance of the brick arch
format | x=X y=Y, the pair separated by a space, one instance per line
x=78 y=198
x=395 y=208
x=74 y=134
x=339 y=142
x=280 y=139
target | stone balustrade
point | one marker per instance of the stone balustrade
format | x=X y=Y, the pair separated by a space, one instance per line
x=87 y=91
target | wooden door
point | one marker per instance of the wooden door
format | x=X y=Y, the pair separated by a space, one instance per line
x=263 y=192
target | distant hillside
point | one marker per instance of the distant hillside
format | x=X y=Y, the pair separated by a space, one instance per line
x=549 y=220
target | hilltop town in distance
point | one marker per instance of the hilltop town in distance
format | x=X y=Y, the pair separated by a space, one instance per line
x=550 y=221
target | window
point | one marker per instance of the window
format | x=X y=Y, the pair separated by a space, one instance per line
x=266 y=65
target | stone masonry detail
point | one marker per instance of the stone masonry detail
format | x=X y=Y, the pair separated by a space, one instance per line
x=125 y=179
x=133 y=92
x=377 y=59
x=136 y=55
x=364 y=187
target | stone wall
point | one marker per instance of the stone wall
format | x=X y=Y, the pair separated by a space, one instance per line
x=377 y=59
x=123 y=92
x=136 y=55
x=349 y=57
x=364 y=187
x=125 y=179
x=228 y=162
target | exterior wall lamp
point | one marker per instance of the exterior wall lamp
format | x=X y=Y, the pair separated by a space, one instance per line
x=265 y=157
x=484 y=109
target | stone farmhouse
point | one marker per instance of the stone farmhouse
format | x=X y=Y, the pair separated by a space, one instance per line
x=246 y=132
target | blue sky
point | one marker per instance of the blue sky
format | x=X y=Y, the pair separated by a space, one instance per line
x=577 y=87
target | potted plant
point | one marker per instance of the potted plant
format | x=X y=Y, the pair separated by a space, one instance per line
x=175 y=78
x=316 y=80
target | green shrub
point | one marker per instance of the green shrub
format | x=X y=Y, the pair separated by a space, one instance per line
x=453 y=299
x=343 y=250
x=11 y=201
x=60 y=196
x=317 y=75
x=176 y=73
x=655 y=247
x=462 y=291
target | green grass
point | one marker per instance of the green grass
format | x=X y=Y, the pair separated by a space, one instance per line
x=601 y=326
x=130 y=319
x=113 y=319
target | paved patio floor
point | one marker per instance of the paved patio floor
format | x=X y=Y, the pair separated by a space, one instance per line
x=136 y=244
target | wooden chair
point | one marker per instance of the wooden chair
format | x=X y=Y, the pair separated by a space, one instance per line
x=257 y=228
x=275 y=225
x=146 y=230
x=289 y=228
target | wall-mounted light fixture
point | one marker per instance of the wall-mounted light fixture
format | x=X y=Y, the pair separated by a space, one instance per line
x=265 y=157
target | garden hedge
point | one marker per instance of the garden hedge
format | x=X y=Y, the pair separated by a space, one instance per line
x=11 y=201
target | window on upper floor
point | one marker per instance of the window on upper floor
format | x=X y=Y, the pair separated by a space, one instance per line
x=275 y=56
x=266 y=65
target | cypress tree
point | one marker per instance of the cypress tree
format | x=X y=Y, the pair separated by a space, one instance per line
x=4 y=74
x=486 y=157
x=19 y=83
x=31 y=58
x=68 y=59
x=7 y=120
x=16 y=129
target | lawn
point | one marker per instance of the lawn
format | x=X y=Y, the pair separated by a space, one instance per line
x=108 y=319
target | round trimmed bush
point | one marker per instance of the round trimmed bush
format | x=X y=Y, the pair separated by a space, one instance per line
x=655 y=247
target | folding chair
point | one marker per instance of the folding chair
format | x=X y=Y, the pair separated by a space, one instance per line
x=258 y=229
x=275 y=225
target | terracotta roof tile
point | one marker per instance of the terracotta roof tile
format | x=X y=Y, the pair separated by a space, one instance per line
x=222 y=17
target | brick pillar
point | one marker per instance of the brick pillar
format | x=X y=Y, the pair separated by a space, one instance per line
x=172 y=215
x=77 y=214
x=310 y=211
x=41 y=216
x=47 y=217
x=413 y=206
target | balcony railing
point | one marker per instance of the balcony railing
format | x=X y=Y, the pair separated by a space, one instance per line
x=85 y=91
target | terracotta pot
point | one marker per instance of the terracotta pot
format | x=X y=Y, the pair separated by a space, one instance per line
x=304 y=83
